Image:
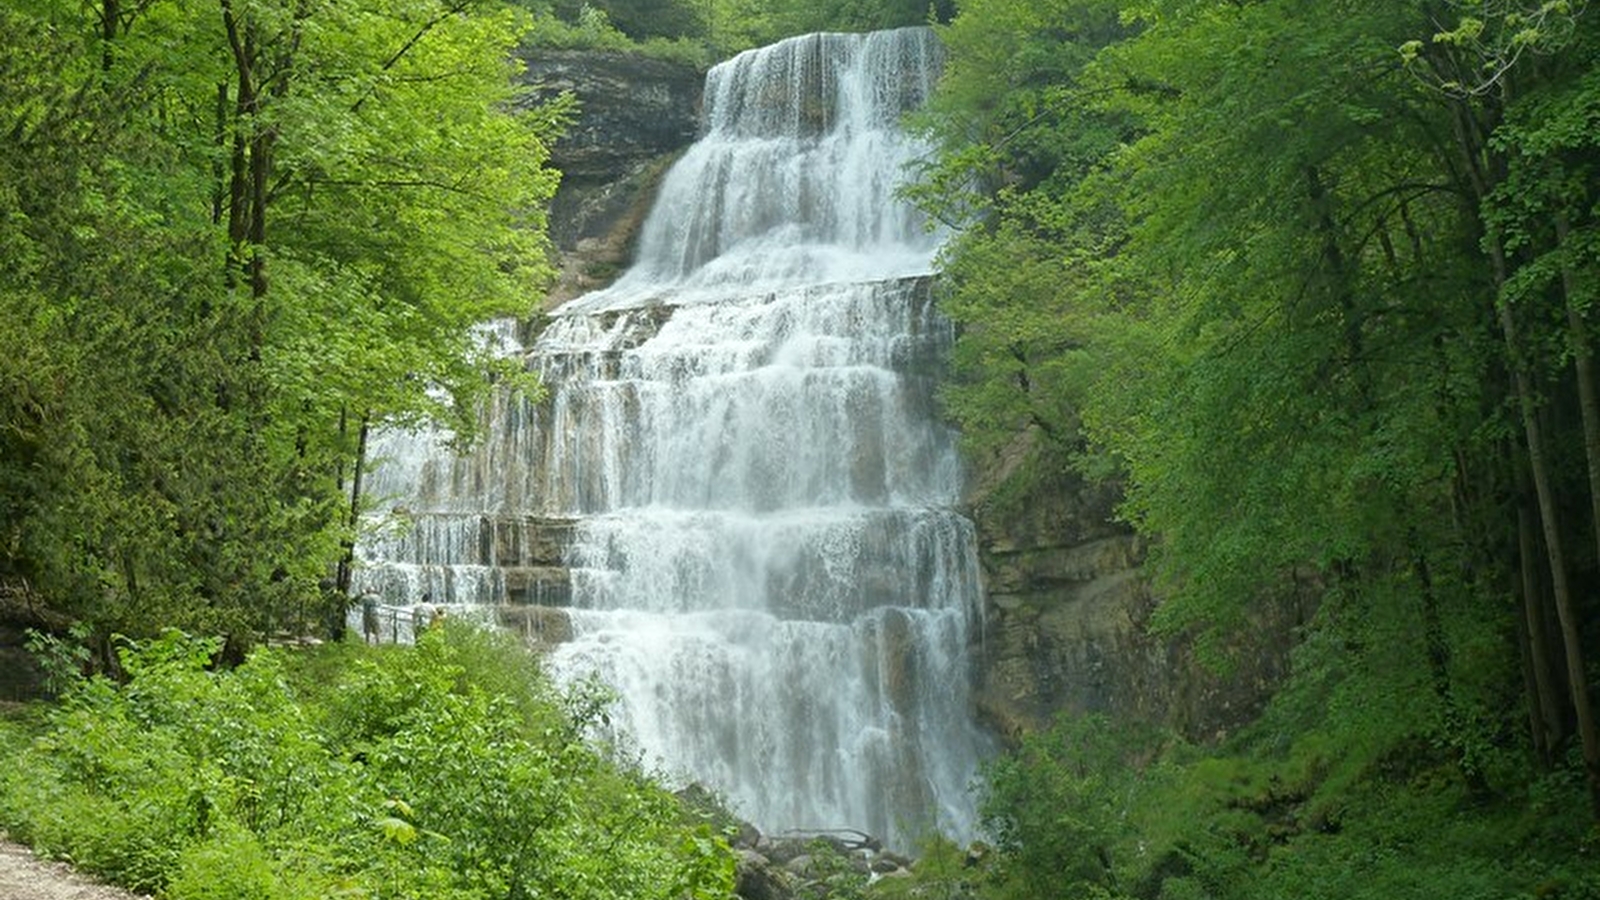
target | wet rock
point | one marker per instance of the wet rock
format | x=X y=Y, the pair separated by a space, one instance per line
x=781 y=850
x=704 y=804
x=542 y=627
x=883 y=865
x=756 y=878
x=899 y=861
x=631 y=107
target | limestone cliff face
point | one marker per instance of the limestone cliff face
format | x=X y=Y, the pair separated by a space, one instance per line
x=635 y=114
x=1068 y=611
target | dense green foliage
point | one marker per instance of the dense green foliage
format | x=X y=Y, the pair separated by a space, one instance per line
x=1307 y=804
x=238 y=234
x=1314 y=282
x=451 y=770
x=704 y=31
x=1319 y=799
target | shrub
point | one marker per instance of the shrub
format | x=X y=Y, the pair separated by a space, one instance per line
x=453 y=770
x=231 y=864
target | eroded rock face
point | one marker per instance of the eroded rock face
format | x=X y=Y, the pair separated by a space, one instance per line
x=635 y=114
x=1068 y=614
x=541 y=627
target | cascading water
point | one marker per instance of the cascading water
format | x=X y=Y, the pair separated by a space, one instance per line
x=738 y=489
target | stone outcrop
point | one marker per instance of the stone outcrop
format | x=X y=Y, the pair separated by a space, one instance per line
x=797 y=864
x=541 y=627
x=634 y=115
x=1068 y=612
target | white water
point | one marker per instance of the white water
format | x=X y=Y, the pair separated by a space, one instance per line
x=793 y=181
x=740 y=451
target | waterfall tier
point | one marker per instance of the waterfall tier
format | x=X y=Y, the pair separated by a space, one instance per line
x=794 y=180
x=737 y=489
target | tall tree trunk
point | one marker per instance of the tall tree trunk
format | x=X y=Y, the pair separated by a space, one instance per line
x=1544 y=700
x=256 y=238
x=1583 y=362
x=358 y=471
x=241 y=41
x=1485 y=170
x=1539 y=469
x=1438 y=651
x=219 y=173
x=1338 y=269
x=110 y=14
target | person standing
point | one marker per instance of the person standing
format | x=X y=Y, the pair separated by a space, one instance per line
x=369 y=616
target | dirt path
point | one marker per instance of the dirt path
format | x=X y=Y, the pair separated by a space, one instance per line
x=24 y=876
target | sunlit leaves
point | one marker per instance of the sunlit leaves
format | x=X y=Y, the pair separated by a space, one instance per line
x=1488 y=40
x=1247 y=290
x=348 y=772
x=184 y=437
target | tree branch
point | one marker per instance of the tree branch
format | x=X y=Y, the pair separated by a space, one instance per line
x=453 y=9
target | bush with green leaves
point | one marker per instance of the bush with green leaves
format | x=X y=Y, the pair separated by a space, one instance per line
x=451 y=770
x=1297 y=805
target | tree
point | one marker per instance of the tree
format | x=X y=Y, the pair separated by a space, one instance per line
x=253 y=229
x=1305 y=305
x=1060 y=804
x=1531 y=177
x=1017 y=172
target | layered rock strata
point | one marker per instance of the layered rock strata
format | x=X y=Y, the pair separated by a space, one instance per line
x=1068 y=611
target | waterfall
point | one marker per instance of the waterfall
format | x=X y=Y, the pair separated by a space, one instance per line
x=738 y=490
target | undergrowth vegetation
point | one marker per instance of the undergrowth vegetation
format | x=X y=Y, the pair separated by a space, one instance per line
x=453 y=770
x=1293 y=807
x=593 y=30
x=702 y=32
